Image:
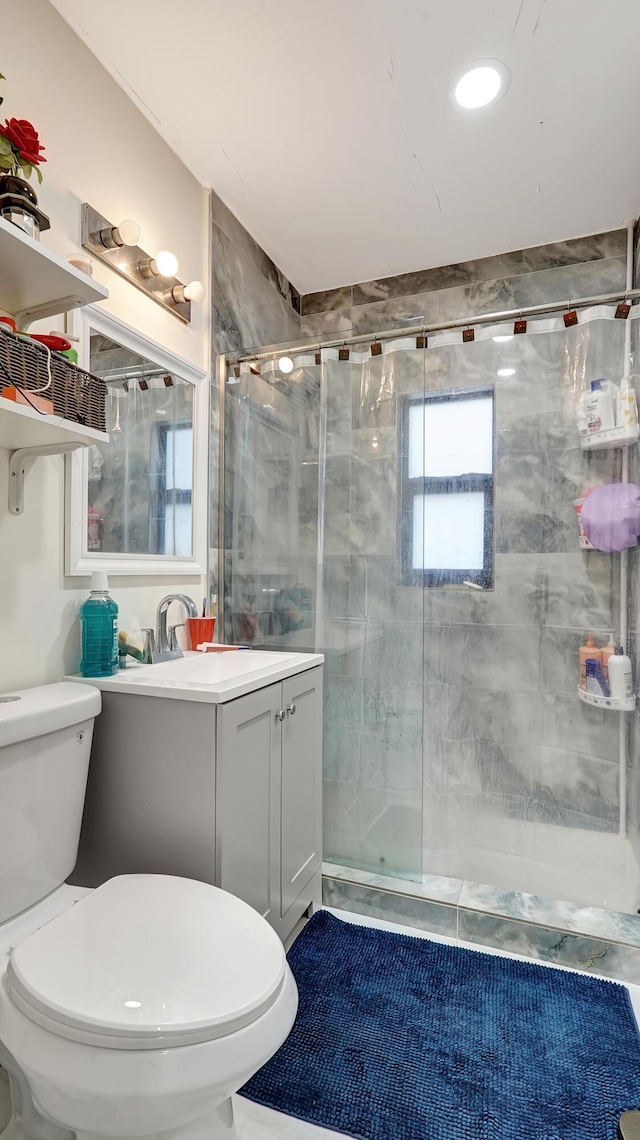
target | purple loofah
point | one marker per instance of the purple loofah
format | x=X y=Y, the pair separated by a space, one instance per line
x=611 y=516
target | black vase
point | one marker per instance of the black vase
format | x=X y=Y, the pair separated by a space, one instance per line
x=19 y=204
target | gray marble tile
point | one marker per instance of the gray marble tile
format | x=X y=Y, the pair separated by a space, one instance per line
x=335 y=585
x=593 y=921
x=327 y=299
x=571 y=789
x=223 y=217
x=551 y=256
x=248 y=310
x=327 y=325
x=437 y=888
x=496 y=658
x=340 y=810
x=439 y=918
x=374 y=488
x=562 y=948
x=578 y=589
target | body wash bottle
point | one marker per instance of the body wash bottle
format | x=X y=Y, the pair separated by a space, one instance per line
x=620 y=676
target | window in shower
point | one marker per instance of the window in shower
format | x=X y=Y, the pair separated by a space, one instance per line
x=446 y=488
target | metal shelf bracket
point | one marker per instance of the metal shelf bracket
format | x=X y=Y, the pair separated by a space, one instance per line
x=19 y=463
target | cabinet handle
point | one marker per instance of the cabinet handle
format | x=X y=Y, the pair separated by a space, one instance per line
x=292 y=708
x=280 y=715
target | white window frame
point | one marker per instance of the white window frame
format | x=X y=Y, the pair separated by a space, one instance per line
x=466 y=483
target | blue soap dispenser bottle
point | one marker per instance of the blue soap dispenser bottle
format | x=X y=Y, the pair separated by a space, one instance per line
x=99 y=624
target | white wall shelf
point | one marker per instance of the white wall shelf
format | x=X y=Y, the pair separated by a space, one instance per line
x=612 y=437
x=35 y=283
x=27 y=434
x=22 y=426
x=614 y=704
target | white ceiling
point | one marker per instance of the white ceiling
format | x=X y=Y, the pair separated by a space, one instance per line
x=325 y=124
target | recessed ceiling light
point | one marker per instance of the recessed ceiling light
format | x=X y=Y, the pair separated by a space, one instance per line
x=506 y=372
x=502 y=339
x=480 y=84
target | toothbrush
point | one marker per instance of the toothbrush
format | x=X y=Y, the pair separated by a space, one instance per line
x=204 y=607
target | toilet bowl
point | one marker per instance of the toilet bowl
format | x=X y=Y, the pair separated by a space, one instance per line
x=138 y=1008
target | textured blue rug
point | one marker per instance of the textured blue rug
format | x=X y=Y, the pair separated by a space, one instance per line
x=399 y=1038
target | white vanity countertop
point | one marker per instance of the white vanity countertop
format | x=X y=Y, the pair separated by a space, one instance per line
x=211 y=677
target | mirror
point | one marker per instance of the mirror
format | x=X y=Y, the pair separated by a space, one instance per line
x=139 y=493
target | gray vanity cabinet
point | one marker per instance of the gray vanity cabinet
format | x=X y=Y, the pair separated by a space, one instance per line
x=226 y=792
x=269 y=753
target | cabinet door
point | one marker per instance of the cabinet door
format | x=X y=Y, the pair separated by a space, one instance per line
x=301 y=783
x=248 y=799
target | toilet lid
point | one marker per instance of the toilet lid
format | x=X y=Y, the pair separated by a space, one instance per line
x=148 y=961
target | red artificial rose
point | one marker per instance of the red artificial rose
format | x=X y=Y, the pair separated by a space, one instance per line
x=24 y=137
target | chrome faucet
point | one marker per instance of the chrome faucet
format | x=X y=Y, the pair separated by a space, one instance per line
x=164 y=645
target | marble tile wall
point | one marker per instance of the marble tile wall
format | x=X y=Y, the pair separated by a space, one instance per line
x=575 y=268
x=252 y=304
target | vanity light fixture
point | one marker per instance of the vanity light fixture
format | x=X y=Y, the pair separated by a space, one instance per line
x=117 y=247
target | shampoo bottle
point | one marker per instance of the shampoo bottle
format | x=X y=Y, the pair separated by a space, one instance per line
x=605 y=653
x=99 y=623
x=626 y=405
x=589 y=649
x=599 y=407
x=620 y=676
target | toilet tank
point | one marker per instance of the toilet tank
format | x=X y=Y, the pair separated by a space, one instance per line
x=45 y=743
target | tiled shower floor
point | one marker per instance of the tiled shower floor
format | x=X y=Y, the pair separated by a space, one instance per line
x=253 y=1122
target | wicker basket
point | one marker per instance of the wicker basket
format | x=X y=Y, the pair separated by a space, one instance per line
x=77 y=395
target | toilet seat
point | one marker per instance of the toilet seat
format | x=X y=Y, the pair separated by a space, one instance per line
x=148 y=962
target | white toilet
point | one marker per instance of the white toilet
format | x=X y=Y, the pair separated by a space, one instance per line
x=135 y=1009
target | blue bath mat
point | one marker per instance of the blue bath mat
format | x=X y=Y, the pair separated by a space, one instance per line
x=399 y=1038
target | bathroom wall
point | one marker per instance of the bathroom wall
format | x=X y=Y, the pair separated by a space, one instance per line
x=100 y=149
x=253 y=304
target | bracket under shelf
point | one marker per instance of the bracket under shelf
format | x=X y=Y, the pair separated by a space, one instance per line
x=21 y=460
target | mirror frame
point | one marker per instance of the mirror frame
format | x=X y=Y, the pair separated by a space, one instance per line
x=78 y=560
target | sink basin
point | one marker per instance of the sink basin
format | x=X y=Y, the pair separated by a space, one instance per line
x=214 y=677
x=209 y=668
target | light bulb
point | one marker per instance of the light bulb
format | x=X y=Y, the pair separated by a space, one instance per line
x=195 y=291
x=128 y=231
x=480 y=85
x=285 y=364
x=165 y=264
